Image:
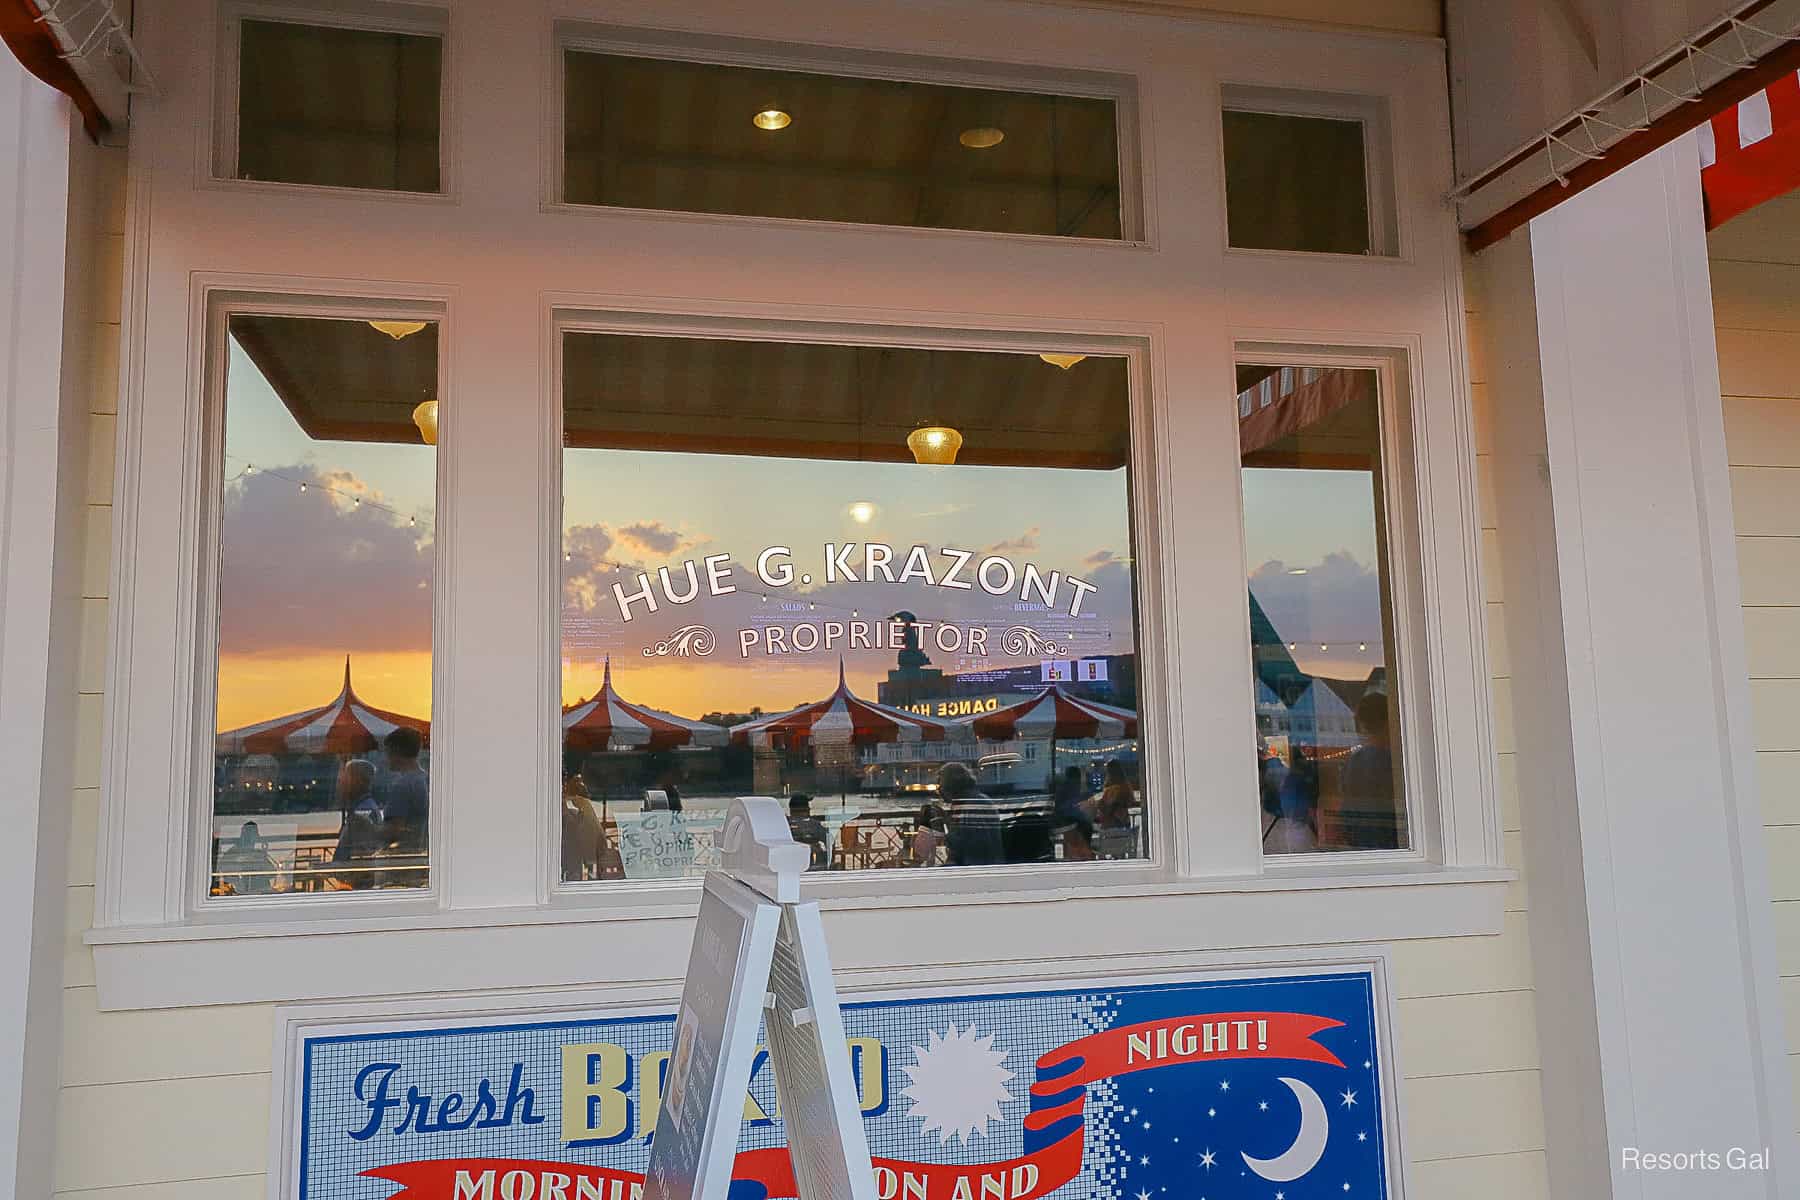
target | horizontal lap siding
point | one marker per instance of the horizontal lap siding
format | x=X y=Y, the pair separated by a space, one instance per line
x=1756 y=307
x=154 y=1105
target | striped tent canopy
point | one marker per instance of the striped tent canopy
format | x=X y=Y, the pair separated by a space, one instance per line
x=345 y=726
x=1053 y=713
x=842 y=719
x=608 y=722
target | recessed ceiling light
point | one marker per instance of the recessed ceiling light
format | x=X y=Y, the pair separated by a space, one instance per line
x=772 y=119
x=982 y=137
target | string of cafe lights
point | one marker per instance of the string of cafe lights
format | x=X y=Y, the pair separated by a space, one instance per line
x=357 y=499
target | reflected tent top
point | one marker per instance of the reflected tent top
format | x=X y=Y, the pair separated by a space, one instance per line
x=606 y=721
x=1053 y=713
x=843 y=719
x=344 y=726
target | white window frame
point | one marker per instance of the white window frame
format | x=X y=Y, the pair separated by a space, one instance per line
x=217 y=162
x=1404 y=521
x=221 y=304
x=503 y=266
x=1370 y=112
x=1120 y=90
x=1157 y=735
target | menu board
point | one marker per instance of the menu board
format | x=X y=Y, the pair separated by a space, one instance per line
x=715 y=1042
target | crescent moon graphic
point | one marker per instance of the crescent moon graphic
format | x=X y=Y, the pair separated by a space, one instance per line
x=1309 y=1143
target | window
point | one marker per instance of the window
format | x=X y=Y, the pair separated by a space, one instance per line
x=703 y=137
x=337 y=107
x=323 y=694
x=892 y=585
x=1306 y=173
x=1321 y=609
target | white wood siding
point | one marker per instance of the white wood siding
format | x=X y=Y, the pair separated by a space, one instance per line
x=1756 y=305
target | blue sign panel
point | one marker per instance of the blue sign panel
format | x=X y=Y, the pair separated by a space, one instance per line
x=1168 y=1090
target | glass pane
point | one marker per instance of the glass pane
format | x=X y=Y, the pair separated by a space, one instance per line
x=934 y=662
x=1321 y=611
x=1296 y=183
x=340 y=107
x=697 y=137
x=321 y=760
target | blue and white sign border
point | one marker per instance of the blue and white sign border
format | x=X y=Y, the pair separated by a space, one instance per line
x=296 y=1024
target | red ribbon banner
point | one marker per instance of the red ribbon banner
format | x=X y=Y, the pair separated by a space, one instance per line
x=1026 y=1178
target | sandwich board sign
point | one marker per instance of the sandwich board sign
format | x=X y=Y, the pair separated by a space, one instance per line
x=758 y=953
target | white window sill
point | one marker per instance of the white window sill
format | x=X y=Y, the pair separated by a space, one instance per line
x=628 y=937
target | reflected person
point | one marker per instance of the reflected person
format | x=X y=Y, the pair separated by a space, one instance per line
x=975 y=834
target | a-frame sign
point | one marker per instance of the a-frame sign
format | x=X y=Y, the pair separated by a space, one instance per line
x=758 y=952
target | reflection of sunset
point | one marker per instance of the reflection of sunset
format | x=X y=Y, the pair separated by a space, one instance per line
x=696 y=686
x=255 y=687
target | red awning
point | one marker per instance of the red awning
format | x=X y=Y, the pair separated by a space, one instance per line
x=1750 y=152
x=23 y=29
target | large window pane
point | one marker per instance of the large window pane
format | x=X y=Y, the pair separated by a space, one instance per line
x=323 y=750
x=700 y=137
x=340 y=107
x=764 y=592
x=1321 y=627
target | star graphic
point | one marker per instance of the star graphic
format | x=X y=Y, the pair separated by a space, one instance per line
x=1207 y=1160
x=1350 y=1098
x=1262 y=1106
x=1224 y=1085
x=1143 y=1160
x=1178 y=1141
x=1362 y=1137
x=1346 y=1185
x=1280 y=1196
x=1134 y=1112
x=1212 y=1112
x=1367 y=1064
x=1146 y=1124
x=1143 y=1194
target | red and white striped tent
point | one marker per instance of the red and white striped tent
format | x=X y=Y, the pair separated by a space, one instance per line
x=1053 y=713
x=842 y=719
x=608 y=722
x=1750 y=152
x=345 y=726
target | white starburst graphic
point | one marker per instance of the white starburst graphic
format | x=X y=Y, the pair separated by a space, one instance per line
x=958 y=1084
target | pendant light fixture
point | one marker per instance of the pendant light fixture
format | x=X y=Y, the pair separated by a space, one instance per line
x=934 y=445
x=397 y=329
x=425 y=417
x=1065 y=361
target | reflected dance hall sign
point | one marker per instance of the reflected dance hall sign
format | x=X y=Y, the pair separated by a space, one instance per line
x=1172 y=1090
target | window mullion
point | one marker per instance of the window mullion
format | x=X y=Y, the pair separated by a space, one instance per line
x=492 y=639
x=1212 y=737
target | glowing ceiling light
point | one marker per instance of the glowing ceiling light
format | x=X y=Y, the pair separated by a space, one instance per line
x=934 y=445
x=982 y=137
x=771 y=119
x=397 y=329
x=1065 y=361
x=425 y=417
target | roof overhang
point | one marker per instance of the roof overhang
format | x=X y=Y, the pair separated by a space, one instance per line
x=82 y=49
x=1728 y=60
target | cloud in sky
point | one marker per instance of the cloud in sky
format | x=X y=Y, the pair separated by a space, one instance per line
x=1337 y=598
x=649 y=538
x=314 y=570
x=1026 y=542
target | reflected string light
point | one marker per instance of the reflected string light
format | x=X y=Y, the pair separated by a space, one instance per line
x=357 y=500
